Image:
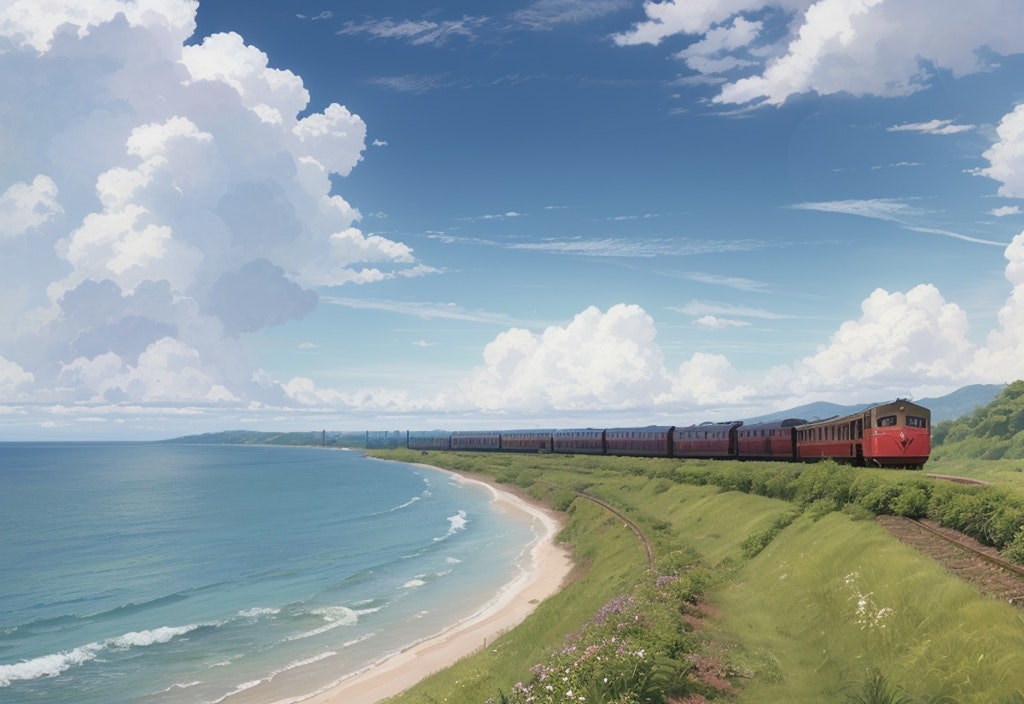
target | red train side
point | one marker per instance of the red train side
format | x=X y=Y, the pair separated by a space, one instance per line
x=708 y=440
x=896 y=434
x=526 y=440
x=652 y=441
x=585 y=441
x=772 y=440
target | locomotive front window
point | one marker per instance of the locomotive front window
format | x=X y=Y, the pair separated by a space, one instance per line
x=916 y=422
x=886 y=421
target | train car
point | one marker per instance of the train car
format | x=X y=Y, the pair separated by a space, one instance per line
x=772 y=440
x=896 y=434
x=428 y=440
x=652 y=441
x=526 y=440
x=585 y=441
x=707 y=440
x=476 y=440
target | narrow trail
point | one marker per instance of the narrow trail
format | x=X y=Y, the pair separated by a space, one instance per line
x=628 y=523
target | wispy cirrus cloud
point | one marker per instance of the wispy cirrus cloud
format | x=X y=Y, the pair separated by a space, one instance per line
x=713 y=322
x=708 y=308
x=418 y=32
x=891 y=210
x=414 y=82
x=546 y=14
x=939 y=127
x=423 y=309
x=492 y=216
x=638 y=248
x=735 y=282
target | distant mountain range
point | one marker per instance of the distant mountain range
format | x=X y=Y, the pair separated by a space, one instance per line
x=948 y=407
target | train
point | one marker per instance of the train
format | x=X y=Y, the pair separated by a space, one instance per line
x=893 y=435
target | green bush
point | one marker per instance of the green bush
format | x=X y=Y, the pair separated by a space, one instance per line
x=912 y=502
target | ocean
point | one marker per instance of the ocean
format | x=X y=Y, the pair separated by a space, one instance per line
x=176 y=574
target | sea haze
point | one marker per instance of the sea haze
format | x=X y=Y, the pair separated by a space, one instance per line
x=165 y=573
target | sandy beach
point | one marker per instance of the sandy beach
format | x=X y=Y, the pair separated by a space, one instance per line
x=543 y=574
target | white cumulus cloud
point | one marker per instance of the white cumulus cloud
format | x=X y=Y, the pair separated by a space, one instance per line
x=170 y=199
x=861 y=47
x=26 y=206
x=599 y=360
x=1006 y=156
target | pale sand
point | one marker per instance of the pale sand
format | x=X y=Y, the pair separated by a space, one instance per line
x=543 y=575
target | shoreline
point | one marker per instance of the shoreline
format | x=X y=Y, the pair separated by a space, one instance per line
x=547 y=569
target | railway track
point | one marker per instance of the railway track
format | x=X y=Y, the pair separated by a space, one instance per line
x=963 y=556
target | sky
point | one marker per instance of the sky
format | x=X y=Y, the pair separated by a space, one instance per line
x=307 y=214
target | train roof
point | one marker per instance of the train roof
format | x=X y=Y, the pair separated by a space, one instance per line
x=778 y=423
x=647 y=428
x=712 y=424
x=901 y=403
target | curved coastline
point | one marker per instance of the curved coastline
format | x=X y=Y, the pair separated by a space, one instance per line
x=543 y=574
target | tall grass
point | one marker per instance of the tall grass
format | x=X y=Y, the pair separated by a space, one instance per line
x=837 y=602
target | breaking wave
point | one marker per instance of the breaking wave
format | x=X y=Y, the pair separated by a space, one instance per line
x=455 y=524
x=54 y=664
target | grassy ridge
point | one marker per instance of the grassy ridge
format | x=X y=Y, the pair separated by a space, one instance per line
x=817 y=604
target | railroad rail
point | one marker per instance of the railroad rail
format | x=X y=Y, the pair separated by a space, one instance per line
x=963 y=556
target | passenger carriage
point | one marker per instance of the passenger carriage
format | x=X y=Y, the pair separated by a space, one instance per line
x=652 y=441
x=707 y=440
x=526 y=440
x=428 y=440
x=476 y=440
x=772 y=440
x=585 y=441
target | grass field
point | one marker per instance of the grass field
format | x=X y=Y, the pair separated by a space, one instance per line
x=811 y=603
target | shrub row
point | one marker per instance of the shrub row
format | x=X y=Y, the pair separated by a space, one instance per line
x=991 y=515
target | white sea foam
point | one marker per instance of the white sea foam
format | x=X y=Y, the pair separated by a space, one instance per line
x=54 y=664
x=48 y=665
x=151 y=637
x=335 y=616
x=258 y=612
x=238 y=690
x=455 y=524
x=413 y=583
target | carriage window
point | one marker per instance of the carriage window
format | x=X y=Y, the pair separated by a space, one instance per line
x=886 y=421
x=916 y=422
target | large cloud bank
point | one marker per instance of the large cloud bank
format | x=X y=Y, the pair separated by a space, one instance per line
x=862 y=47
x=170 y=197
x=904 y=342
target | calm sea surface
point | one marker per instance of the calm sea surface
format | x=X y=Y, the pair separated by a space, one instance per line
x=168 y=573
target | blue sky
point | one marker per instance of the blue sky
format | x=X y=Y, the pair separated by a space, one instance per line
x=296 y=215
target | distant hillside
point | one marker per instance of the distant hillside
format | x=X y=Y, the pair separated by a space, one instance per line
x=255 y=437
x=959 y=403
x=962 y=401
x=993 y=431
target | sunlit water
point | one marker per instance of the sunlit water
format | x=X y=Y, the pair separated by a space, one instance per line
x=167 y=573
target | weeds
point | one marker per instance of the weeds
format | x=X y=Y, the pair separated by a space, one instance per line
x=876 y=689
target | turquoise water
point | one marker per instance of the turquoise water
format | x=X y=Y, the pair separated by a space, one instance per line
x=168 y=573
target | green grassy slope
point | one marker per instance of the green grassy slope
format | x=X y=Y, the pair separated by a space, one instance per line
x=814 y=604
